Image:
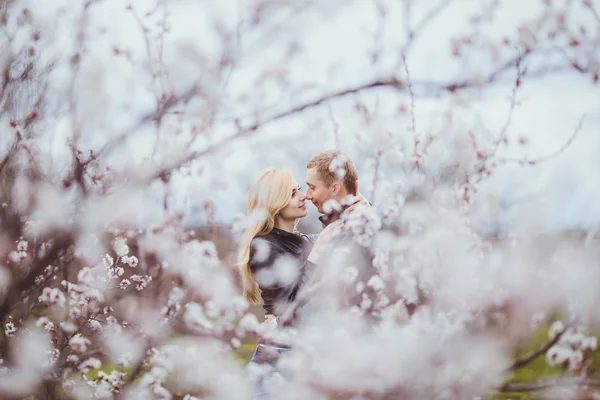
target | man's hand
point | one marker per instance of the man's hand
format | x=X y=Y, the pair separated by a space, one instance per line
x=360 y=201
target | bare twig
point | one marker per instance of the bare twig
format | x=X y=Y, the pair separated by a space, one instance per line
x=590 y=5
x=336 y=127
x=411 y=93
x=535 y=354
x=137 y=371
x=540 y=385
x=412 y=33
x=552 y=155
x=62 y=242
x=513 y=103
x=165 y=170
x=492 y=77
x=434 y=12
x=376 y=176
x=166 y=106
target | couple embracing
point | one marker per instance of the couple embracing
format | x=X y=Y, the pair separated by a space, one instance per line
x=272 y=244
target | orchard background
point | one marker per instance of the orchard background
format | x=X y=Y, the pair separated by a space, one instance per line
x=130 y=132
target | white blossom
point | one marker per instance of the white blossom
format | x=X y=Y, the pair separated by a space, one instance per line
x=52 y=296
x=350 y=274
x=262 y=250
x=132 y=261
x=142 y=281
x=375 y=283
x=108 y=261
x=120 y=246
x=79 y=343
x=10 y=329
x=22 y=246
x=331 y=205
x=195 y=318
x=360 y=286
x=44 y=323
x=366 y=302
x=73 y=358
x=90 y=364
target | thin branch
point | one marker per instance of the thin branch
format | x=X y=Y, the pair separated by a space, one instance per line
x=153 y=116
x=412 y=33
x=540 y=385
x=63 y=242
x=375 y=177
x=139 y=368
x=336 y=127
x=411 y=93
x=251 y=129
x=535 y=354
x=11 y=152
x=492 y=77
x=552 y=155
x=390 y=82
x=590 y=5
x=434 y=12
x=5 y=79
x=511 y=109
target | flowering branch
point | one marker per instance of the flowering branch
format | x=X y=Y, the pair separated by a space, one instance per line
x=62 y=242
x=535 y=354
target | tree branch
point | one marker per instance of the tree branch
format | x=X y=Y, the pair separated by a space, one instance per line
x=165 y=170
x=390 y=82
x=540 y=385
x=590 y=5
x=62 y=243
x=555 y=153
x=535 y=354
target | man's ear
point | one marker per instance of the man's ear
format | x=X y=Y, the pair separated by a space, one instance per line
x=336 y=187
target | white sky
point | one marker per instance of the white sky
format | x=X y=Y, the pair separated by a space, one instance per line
x=336 y=41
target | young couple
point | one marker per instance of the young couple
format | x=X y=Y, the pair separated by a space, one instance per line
x=272 y=244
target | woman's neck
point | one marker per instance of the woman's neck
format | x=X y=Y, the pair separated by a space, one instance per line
x=285 y=225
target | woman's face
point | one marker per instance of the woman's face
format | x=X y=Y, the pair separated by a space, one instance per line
x=296 y=207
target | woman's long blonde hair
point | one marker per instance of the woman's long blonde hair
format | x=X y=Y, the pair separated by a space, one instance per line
x=269 y=194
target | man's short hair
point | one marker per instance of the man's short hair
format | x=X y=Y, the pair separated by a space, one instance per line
x=322 y=163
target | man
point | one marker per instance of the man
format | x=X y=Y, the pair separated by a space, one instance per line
x=332 y=178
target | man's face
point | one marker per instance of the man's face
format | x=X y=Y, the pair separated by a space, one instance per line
x=316 y=191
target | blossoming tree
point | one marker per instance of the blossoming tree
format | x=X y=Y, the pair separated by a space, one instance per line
x=128 y=127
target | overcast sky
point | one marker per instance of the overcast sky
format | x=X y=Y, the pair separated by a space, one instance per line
x=321 y=47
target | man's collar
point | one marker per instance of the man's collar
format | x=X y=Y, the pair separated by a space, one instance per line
x=333 y=216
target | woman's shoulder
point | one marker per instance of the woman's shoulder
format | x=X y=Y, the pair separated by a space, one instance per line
x=268 y=239
x=265 y=243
